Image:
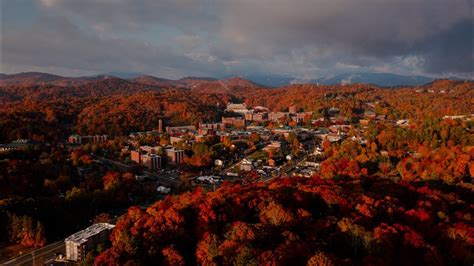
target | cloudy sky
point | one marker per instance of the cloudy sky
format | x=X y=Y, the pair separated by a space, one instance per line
x=298 y=38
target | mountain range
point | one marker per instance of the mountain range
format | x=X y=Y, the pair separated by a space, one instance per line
x=217 y=85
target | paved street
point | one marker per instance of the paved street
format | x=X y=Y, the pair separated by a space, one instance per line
x=164 y=178
x=38 y=256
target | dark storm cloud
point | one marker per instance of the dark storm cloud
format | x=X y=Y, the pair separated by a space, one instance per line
x=304 y=38
x=357 y=30
x=451 y=49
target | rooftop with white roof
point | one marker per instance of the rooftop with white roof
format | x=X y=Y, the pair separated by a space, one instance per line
x=83 y=235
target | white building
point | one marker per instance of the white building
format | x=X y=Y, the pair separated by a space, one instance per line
x=246 y=165
x=163 y=190
x=240 y=108
x=78 y=244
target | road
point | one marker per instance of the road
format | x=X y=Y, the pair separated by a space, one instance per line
x=164 y=178
x=247 y=153
x=38 y=256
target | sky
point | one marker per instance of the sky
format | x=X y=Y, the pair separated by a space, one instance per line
x=304 y=39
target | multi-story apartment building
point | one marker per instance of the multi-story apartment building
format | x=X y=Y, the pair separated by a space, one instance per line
x=78 y=244
x=175 y=156
x=151 y=161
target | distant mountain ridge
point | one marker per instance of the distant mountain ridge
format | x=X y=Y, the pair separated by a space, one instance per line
x=375 y=78
x=379 y=79
x=218 y=85
x=38 y=78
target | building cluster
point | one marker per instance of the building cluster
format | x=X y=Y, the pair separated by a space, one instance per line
x=147 y=157
x=260 y=140
x=242 y=115
x=16 y=145
x=76 y=139
x=154 y=157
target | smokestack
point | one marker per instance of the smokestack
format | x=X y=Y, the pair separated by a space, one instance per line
x=160 y=126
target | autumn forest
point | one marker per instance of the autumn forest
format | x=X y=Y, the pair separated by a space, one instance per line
x=402 y=196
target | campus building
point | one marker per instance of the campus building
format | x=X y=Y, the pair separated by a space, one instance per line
x=78 y=244
x=76 y=139
x=240 y=108
x=175 y=156
x=149 y=160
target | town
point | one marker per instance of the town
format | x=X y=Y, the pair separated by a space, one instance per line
x=249 y=144
x=246 y=140
x=236 y=133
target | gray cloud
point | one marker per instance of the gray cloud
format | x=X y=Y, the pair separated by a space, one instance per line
x=55 y=42
x=354 y=31
x=303 y=38
x=451 y=49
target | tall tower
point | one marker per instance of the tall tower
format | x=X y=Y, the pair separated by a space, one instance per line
x=160 y=126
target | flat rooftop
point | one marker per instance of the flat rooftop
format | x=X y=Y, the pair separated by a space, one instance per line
x=83 y=235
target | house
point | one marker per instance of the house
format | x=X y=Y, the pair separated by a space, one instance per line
x=219 y=162
x=339 y=119
x=78 y=244
x=370 y=114
x=331 y=137
x=363 y=122
x=246 y=165
x=340 y=128
x=271 y=162
x=315 y=165
x=274 y=146
x=283 y=130
x=318 y=151
x=403 y=122
x=208 y=179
